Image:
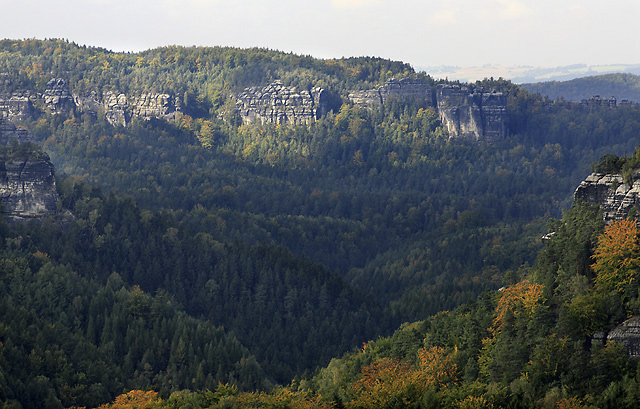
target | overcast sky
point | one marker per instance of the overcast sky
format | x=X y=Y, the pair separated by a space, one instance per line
x=544 y=33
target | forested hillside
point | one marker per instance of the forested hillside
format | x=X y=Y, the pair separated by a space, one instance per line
x=532 y=344
x=291 y=243
x=621 y=86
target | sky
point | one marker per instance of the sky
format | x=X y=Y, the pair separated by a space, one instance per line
x=538 y=33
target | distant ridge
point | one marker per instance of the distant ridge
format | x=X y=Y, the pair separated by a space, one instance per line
x=621 y=86
x=526 y=74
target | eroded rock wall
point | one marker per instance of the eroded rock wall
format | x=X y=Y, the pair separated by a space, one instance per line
x=118 y=108
x=15 y=104
x=27 y=177
x=406 y=88
x=9 y=132
x=480 y=114
x=628 y=334
x=27 y=186
x=57 y=97
x=280 y=104
x=612 y=193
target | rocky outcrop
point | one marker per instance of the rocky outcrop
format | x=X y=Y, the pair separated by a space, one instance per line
x=406 y=88
x=27 y=186
x=161 y=106
x=480 y=114
x=15 y=103
x=627 y=334
x=280 y=104
x=27 y=178
x=116 y=108
x=88 y=104
x=9 y=132
x=57 y=97
x=615 y=197
x=15 y=107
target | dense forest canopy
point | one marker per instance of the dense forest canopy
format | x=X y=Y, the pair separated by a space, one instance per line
x=209 y=254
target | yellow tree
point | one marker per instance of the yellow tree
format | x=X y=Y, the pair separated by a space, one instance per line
x=520 y=300
x=388 y=382
x=134 y=399
x=617 y=256
x=500 y=355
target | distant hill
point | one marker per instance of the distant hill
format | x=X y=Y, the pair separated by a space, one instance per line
x=622 y=86
x=526 y=74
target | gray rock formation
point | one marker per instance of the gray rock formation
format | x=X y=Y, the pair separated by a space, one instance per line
x=116 y=108
x=27 y=178
x=628 y=334
x=614 y=196
x=479 y=115
x=277 y=103
x=27 y=186
x=161 y=106
x=9 y=132
x=89 y=104
x=57 y=97
x=15 y=104
x=406 y=88
x=15 y=107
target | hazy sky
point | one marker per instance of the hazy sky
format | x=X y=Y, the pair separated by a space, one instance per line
x=422 y=33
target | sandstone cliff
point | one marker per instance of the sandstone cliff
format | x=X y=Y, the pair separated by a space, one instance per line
x=15 y=104
x=9 y=132
x=57 y=97
x=406 y=88
x=628 y=334
x=27 y=178
x=118 y=108
x=277 y=103
x=615 y=197
x=480 y=114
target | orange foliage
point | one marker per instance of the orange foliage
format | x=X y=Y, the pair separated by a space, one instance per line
x=520 y=299
x=569 y=403
x=617 y=256
x=134 y=399
x=437 y=366
x=388 y=380
x=380 y=382
x=282 y=398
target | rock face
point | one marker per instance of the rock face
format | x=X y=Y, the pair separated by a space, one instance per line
x=149 y=106
x=14 y=103
x=14 y=107
x=406 y=88
x=279 y=104
x=27 y=178
x=118 y=109
x=57 y=97
x=614 y=196
x=479 y=115
x=628 y=334
x=9 y=132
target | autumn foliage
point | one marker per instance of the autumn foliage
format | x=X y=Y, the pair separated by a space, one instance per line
x=520 y=300
x=134 y=399
x=389 y=381
x=617 y=256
